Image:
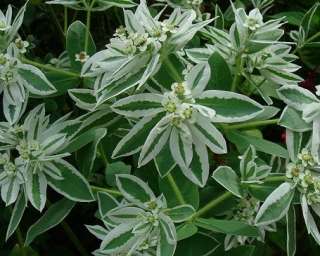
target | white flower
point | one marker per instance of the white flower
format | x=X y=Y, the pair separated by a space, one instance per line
x=306 y=157
x=21 y=45
x=254 y=20
x=293 y=171
x=82 y=57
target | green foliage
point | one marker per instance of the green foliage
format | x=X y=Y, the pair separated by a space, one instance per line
x=185 y=127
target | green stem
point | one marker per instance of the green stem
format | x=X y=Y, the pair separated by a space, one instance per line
x=175 y=189
x=172 y=70
x=74 y=239
x=71 y=235
x=309 y=40
x=237 y=74
x=103 y=156
x=65 y=21
x=20 y=241
x=251 y=125
x=107 y=190
x=276 y=178
x=212 y=204
x=49 y=68
x=56 y=20
x=88 y=25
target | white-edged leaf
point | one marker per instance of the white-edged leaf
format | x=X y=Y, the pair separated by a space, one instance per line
x=16 y=215
x=276 y=205
x=125 y=214
x=98 y=231
x=134 y=189
x=296 y=96
x=225 y=103
x=208 y=134
x=117 y=239
x=35 y=81
x=73 y=185
x=140 y=105
x=293 y=141
x=106 y=202
x=309 y=220
x=156 y=140
x=36 y=188
x=133 y=141
x=180 y=213
x=198 y=78
x=291 y=232
x=227 y=178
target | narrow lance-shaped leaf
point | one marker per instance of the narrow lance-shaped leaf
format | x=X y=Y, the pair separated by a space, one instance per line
x=55 y=214
x=17 y=214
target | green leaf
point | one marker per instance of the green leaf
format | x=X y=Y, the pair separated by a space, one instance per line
x=116 y=168
x=117 y=238
x=292 y=119
x=73 y=185
x=16 y=215
x=84 y=98
x=164 y=247
x=134 y=189
x=180 y=213
x=292 y=17
x=242 y=141
x=231 y=227
x=55 y=214
x=276 y=205
x=310 y=21
x=134 y=140
x=87 y=154
x=164 y=161
x=186 y=230
x=84 y=139
x=106 y=203
x=200 y=244
x=291 y=231
x=294 y=143
x=76 y=35
x=227 y=178
x=221 y=78
x=62 y=82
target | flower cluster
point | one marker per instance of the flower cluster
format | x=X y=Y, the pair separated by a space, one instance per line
x=140 y=224
x=252 y=45
x=183 y=117
x=304 y=176
x=246 y=211
x=133 y=55
x=34 y=157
